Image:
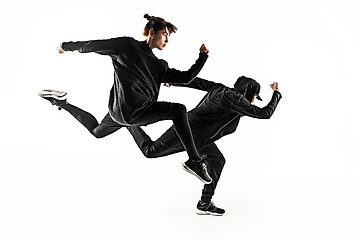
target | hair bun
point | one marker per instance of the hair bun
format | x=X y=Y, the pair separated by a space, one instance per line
x=148 y=17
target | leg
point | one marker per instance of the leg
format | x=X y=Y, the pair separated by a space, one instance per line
x=168 y=143
x=58 y=98
x=176 y=112
x=216 y=162
x=106 y=127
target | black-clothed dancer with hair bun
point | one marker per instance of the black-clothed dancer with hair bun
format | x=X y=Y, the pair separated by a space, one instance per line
x=217 y=115
x=138 y=75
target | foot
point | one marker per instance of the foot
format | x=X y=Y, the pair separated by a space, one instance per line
x=209 y=209
x=58 y=95
x=57 y=98
x=198 y=169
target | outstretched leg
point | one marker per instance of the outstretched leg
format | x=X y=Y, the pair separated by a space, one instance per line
x=106 y=127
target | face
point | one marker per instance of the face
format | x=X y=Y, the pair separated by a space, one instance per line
x=253 y=100
x=160 y=39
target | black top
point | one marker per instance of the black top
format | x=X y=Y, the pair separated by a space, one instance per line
x=219 y=112
x=138 y=74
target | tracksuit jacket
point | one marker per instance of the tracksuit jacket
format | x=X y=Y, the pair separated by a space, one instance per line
x=138 y=74
x=217 y=115
x=219 y=112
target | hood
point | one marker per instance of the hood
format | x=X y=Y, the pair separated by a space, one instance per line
x=248 y=87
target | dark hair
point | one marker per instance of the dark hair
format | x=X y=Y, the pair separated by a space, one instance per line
x=157 y=24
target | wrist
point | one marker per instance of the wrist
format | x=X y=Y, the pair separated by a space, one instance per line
x=203 y=55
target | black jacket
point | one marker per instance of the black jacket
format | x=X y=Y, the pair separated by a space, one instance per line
x=219 y=112
x=138 y=74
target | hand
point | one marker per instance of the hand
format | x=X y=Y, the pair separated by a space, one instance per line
x=203 y=49
x=59 y=48
x=274 y=86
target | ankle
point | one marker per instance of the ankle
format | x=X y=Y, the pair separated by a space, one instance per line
x=196 y=159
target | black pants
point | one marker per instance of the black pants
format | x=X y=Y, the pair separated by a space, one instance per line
x=169 y=143
x=157 y=111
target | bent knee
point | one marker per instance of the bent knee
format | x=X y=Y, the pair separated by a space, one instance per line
x=149 y=154
x=179 y=108
x=97 y=134
x=151 y=151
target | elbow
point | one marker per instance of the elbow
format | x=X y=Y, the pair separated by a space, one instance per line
x=267 y=114
x=189 y=77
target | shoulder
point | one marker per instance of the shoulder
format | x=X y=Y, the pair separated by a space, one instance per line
x=126 y=38
x=233 y=95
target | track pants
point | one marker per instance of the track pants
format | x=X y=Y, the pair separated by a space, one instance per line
x=157 y=111
x=169 y=143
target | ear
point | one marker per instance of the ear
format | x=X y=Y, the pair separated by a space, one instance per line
x=151 y=32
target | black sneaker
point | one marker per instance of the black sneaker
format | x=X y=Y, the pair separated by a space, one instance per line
x=198 y=169
x=209 y=209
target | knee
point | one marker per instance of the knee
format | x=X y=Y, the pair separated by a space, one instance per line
x=222 y=161
x=179 y=108
x=149 y=153
x=217 y=164
x=154 y=151
x=97 y=134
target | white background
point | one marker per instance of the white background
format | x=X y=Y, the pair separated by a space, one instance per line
x=295 y=176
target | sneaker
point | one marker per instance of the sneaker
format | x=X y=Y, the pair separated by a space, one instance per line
x=209 y=209
x=57 y=98
x=198 y=169
x=49 y=93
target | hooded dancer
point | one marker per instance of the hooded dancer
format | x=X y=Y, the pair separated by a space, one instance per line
x=138 y=74
x=217 y=115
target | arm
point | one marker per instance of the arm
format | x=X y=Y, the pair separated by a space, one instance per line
x=200 y=84
x=176 y=76
x=104 y=47
x=243 y=106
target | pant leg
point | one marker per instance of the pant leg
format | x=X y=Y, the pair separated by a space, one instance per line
x=169 y=143
x=176 y=112
x=106 y=127
x=166 y=144
x=216 y=162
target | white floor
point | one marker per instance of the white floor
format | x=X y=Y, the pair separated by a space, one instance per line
x=99 y=189
x=295 y=176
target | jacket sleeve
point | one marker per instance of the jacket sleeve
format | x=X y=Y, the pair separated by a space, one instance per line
x=175 y=76
x=104 y=47
x=244 y=106
x=200 y=84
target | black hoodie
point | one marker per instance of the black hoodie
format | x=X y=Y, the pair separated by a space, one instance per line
x=138 y=74
x=247 y=87
x=219 y=112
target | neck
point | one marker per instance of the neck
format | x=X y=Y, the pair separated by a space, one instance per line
x=149 y=42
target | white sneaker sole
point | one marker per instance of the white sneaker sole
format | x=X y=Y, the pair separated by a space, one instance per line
x=59 y=95
x=200 y=212
x=193 y=173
